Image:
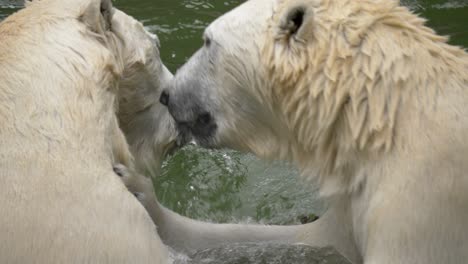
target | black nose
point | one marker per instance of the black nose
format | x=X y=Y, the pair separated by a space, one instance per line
x=204 y=126
x=204 y=119
x=164 y=99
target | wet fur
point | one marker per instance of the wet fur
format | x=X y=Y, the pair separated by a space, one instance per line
x=61 y=202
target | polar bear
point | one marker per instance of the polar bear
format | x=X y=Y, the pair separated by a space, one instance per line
x=148 y=127
x=363 y=98
x=60 y=63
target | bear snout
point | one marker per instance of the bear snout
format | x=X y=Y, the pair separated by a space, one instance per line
x=205 y=126
x=203 y=129
x=193 y=120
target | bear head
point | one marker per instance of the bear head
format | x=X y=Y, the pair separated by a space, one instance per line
x=147 y=124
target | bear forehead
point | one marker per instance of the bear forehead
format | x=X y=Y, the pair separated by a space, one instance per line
x=258 y=13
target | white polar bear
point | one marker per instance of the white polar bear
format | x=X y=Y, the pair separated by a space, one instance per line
x=363 y=98
x=60 y=63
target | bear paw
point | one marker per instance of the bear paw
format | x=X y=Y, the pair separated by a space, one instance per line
x=140 y=186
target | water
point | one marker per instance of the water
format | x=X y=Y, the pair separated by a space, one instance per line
x=262 y=253
x=226 y=186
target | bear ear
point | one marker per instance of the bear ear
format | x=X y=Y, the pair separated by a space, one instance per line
x=297 y=22
x=98 y=15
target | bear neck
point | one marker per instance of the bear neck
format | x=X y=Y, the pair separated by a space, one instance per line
x=343 y=97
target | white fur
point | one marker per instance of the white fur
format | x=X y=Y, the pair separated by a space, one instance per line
x=61 y=202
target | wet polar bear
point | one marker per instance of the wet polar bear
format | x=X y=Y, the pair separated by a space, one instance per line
x=61 y=62
x=363 y=98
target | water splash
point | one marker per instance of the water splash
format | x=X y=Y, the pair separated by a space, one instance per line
x=227 y=186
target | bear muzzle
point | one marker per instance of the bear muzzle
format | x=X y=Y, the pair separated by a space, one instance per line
x=191 y=119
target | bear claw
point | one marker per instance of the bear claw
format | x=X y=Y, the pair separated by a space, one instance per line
x=120 y=170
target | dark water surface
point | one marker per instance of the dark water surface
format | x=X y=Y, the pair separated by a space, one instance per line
x=226 y=185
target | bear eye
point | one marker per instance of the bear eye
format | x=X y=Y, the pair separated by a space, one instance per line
x=207 y=41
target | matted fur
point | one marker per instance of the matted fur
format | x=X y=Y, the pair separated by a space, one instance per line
x=340 y=91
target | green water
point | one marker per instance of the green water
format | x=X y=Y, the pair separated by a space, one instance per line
x=224 y=185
